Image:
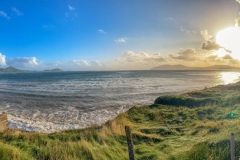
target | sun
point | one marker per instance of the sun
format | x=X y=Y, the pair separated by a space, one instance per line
x=229 y=38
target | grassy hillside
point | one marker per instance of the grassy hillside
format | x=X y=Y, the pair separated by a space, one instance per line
x=195 y=125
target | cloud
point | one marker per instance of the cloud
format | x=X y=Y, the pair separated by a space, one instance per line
x=206 y=36
x=141 y=57
x=71 y=13
x=187 y=31
x=121 y=40
x=184 y=30
x=222 y=60
x=135 y=61
x=227 y=57
x=210 y=45
x=71 y=8
x=97 y=63
x=2 y=59
x=3 y=14
x=57 y=64
x=102 y=31
x=189 y=54
x=85 y=63
x=16 y=11
x=23 y=62
x=81 y=62
x=52 y=65
x=191 y=57
x=210 y=42
x=141 y=60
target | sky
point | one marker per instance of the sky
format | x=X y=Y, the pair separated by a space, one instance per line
x=113 y=34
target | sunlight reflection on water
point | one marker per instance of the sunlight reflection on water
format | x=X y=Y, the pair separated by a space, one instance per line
x=229 y=77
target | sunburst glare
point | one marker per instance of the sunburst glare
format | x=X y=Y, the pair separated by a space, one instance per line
x=229 y=77
x=229 y=38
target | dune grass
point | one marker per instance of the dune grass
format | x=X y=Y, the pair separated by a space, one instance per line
x=195 y=125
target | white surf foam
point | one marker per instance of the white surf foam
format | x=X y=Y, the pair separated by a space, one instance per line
x=97 y=117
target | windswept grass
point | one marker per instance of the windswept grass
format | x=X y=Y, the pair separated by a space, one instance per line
x=195 y=125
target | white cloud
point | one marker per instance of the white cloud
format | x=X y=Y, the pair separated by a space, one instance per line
x=102 y=31
x=85 y=63
x=189 y=54
x=187 y=30
x=77 y=65
x=23 y=62
x=71 y=8
x=121 y=40
x=206 y=36
x=81 y=62
x=16 y=11
x=210 y=45
x=141 y=57
x=141 y=60
x=71 y=13
x=3 y=14
x=57 y=64
x=52 y=65
x=2 y=60
x=97 y=63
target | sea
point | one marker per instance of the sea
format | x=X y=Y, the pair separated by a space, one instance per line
x=53 y=101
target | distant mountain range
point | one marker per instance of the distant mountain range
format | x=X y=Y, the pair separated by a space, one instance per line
x=15 y=70
x=182 y=67
x=11 y=70
x=54 y=70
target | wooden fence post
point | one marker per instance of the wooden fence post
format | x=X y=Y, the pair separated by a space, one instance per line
x=232 y=143
x=130 y=143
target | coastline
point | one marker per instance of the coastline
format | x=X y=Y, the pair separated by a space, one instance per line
x=75 y=100
x=99 y=117
x=176 y=129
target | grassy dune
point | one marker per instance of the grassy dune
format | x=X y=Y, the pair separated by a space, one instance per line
x=195 y=125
